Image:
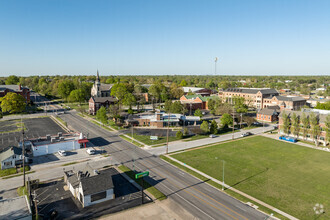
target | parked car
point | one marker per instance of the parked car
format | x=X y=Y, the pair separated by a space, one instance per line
x=62 y=153
x=287 y=138
x=90 y=151
x=246 y=134
x=212 y=136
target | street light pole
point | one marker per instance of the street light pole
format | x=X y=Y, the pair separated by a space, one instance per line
x=168 y=128
x=223 y=173
x=233 y=123
x=23 y=151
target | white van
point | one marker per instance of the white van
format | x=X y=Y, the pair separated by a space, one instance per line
x=90 y=151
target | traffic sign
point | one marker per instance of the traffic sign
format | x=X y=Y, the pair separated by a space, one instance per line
x=153 y=137
x=143 y=174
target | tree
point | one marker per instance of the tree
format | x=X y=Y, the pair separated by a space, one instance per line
x=315 y=127
x=305 y=122
x=12 y=103
x=226 y=120
x=205 y=127
x=185 y=132
x=176 y=91
x=101 y=115
x=168 y=104
x=65 y=88
x=286 y=123
x=327 y=131
x=119 y=90
x=176 y=107
x=183 y=83
x=239 y=104
x=198 y=112
x=129 y=100
x=214 y=127
x=12 y=80
x=249 y=120
x=77 y=95
x=223 y=108
x=295 y=128
x=179 y=135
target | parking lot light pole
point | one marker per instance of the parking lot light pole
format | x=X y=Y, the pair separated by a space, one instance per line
x=168 y=128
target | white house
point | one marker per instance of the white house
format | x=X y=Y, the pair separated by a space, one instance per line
x=11 y=157
x=89 y=186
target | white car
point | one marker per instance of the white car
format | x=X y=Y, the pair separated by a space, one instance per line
x=90 y=151
x=213 y=136
x=62 y=153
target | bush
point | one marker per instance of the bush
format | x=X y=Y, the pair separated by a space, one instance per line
x=185 y=132
x=179 y=135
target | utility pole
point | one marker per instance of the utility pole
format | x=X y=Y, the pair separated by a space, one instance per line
x=23 y=151
x=215 y=65
x=132 y=133
x=35 y=203
x=233 y=123
x=168 y=128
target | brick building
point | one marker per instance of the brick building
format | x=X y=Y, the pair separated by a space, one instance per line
x=193 y=102
x=268 y=114
x=18 y=89
x=321 y=115
x=285 y=102
x=253 y=97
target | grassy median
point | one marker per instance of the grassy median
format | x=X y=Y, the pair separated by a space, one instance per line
x=151 y=189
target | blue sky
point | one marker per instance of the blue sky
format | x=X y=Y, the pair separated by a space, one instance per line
x=253 y=37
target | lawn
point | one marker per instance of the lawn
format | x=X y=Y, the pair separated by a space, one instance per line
x=289 y=177
x=146 y=139
x=77 y=106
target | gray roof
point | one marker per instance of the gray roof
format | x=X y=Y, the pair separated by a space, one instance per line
x=276 y=107
x=105 y=87
x=10 y=152
x=267 y=111
x=292 y=99
x=252 y=91
x=14 y=208
x=97 y=183
x=104 y=99
x=12 y=87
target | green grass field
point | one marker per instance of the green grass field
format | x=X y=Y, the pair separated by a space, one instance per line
x=146 y=139
x=289 y=177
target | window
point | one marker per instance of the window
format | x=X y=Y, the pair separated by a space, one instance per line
x=98 y=196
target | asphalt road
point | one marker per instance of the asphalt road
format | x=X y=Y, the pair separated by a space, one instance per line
x=197 y=197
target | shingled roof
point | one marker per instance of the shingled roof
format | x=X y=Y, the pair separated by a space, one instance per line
x=97 y=183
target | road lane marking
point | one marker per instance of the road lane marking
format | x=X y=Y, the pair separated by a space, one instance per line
x=151 y=163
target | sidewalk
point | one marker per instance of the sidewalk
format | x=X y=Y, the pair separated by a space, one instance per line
x=235 y=190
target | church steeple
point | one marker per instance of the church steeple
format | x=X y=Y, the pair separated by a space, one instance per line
x=97 y=76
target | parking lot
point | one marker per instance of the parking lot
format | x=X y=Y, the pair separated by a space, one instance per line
x=76 y=155
x=11 y=134
x=52 y=196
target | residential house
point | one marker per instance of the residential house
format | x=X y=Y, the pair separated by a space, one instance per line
x=18 y=89
x=90 y=186
x=12 y=157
